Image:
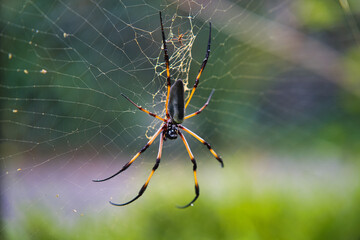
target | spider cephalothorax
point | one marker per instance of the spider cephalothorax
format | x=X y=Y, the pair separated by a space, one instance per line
x=175 y=114
x=171 y=131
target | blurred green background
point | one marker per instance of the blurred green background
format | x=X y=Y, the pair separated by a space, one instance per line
x=284 y=117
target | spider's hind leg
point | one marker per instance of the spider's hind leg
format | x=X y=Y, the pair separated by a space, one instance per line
x=202 y=108
x=166 y=57
x=201 y=68
x=143 y=109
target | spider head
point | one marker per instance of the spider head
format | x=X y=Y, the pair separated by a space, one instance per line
x=171 y=131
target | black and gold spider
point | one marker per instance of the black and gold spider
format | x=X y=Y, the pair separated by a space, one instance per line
x=175 y=108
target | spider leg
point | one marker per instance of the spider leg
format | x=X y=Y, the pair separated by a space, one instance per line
x=201 y=69
x=166 y=56
x=143 y=109
x=202 y=108
x=135 y=157
x=142 y=190
x=203 y=142
x=197 y=189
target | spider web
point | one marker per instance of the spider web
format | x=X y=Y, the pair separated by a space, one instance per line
x=64 y=65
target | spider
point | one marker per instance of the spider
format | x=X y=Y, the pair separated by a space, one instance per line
x=179 y=38
x=170 y=129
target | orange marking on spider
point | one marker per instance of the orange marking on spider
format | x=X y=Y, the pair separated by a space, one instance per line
x=175 y=109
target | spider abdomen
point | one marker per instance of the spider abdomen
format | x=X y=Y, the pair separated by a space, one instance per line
x=176 y=102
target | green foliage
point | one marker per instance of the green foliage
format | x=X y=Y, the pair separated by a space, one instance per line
x=248 y=210
x=319 y=14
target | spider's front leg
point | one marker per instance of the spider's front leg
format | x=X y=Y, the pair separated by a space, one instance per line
x=203 y=142
x=197 y=189
x=142 y=190
x=135 y=157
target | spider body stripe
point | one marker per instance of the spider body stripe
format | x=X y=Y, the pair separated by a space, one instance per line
x=176 y=102
x=175 y=108
x=201 y=68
